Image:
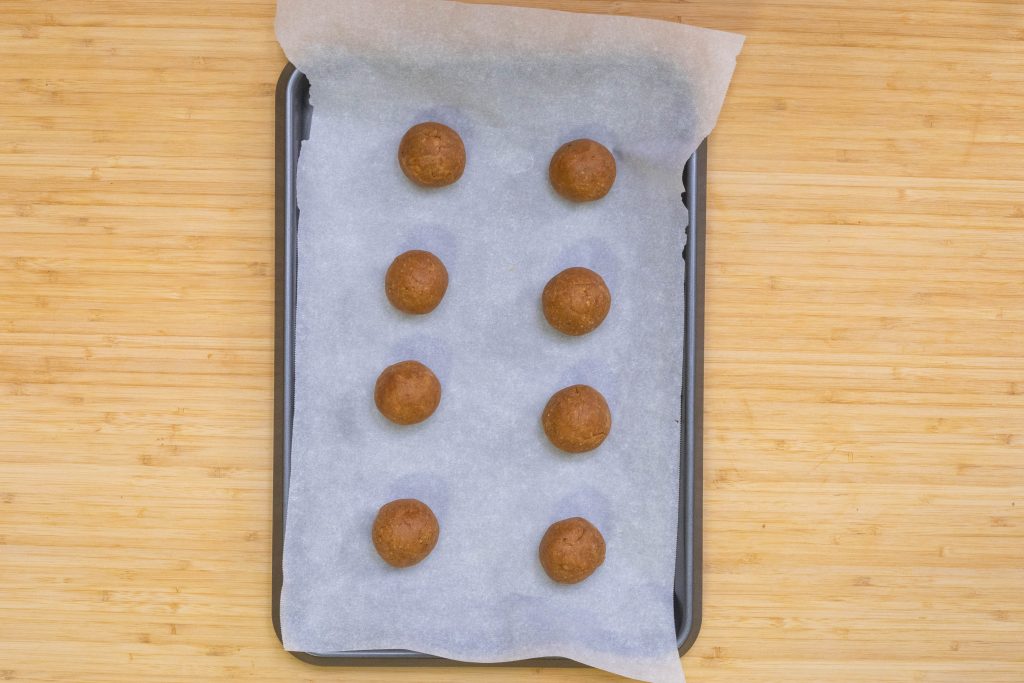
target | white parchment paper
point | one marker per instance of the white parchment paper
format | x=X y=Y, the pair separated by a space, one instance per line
x=515 y=84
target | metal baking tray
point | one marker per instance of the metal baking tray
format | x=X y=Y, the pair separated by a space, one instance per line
x=294 y=114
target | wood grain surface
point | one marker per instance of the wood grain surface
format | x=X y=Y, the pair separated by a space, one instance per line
x=864 y=476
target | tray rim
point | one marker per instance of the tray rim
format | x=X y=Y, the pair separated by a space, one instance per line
x=689 y=541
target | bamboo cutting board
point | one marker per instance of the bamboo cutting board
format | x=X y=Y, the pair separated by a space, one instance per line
x=864 y=447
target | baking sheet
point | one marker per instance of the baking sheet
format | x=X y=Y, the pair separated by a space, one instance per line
x=482 y=462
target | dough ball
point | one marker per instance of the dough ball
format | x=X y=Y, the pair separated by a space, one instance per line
x=576 y=419
x=407 y=392
x=432 y=155
x=576 y=301
x=571 y=550
x=582 y=170
x=416 y=282
x=405 y=532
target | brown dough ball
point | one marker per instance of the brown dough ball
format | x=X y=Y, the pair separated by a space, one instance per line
x=571 y=550
x=576 y=301
x=416 y=282
x=576 y=419
x=407 y=392
x=432 y=155
x=405 y=532
x=582 y=170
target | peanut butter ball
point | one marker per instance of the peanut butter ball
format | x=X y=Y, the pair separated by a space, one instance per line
x=432 y=155
x=576 y=419
x=571 y=550
x=416 y=282
x=576 y=301
x=582 y=170
x=407 y=392
x=404 y=532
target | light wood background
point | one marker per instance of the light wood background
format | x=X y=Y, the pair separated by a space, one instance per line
x=864 y=489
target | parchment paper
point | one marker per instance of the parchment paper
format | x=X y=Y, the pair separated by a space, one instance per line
x=515 y=84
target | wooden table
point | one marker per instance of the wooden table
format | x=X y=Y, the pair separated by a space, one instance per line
x=864 y=476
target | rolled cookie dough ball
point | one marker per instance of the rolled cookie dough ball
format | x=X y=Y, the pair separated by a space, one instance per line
x=432 y=155
x=405 y=532
x=407 y=392
x=582 y=170
x=416 y=282
x=571 y=550
x=576 y=419
x=576 y=301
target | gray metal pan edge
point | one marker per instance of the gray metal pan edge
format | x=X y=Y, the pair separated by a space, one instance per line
x=293 y=120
